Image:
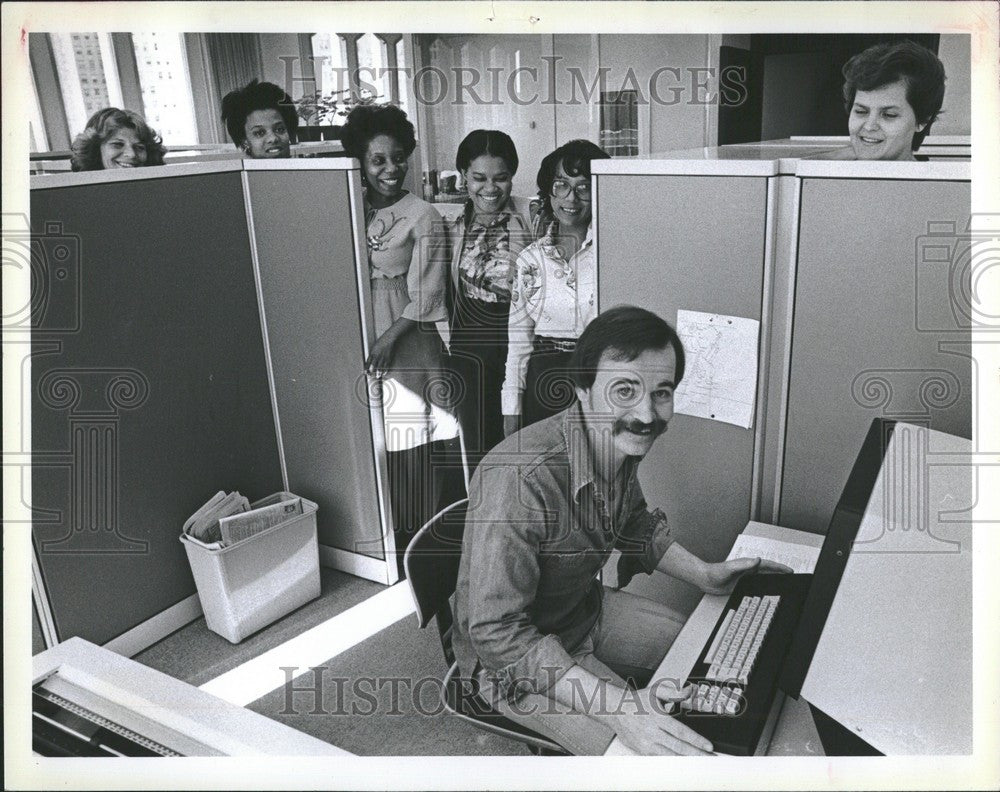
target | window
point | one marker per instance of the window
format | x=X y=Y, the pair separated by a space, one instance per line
x=37 y=139
x=404 y=77
x=75 y=70
x=372 y=68
x=620 y=124
x=330 y=63
x=167 y=101
x=373 y=55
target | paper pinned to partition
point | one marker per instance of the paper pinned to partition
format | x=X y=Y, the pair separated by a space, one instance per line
x=720 y=378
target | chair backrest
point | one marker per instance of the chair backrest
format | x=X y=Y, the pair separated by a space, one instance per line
x=431 y=561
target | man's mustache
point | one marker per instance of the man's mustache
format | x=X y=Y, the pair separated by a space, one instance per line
x=657 y=427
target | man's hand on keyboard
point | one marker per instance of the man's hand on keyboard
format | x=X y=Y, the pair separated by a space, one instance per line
x=721 y=577
x=643 y=724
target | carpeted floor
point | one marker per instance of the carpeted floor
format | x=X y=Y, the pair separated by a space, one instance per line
x=355 y=707
x=195 y=654
x=382 y=698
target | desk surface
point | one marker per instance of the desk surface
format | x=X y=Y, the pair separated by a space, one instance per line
x=795 y=734
x=139 y=697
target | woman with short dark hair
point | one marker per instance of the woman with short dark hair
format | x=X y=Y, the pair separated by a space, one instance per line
x=261 y=120
x=892 y=93
x=408 y=270
x=116 y=138
x=554 y=290
x=486 y=239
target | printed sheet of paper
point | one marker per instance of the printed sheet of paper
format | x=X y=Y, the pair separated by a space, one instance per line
x=800 y=557
x=720 y=378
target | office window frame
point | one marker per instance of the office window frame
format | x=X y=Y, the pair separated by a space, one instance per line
x=392 y=82
x=124 y=89
x=119 y=57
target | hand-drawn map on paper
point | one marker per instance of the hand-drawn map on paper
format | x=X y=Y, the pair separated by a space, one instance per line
x=720 y=377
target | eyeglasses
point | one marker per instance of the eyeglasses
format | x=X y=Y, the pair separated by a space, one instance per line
x=560 y=189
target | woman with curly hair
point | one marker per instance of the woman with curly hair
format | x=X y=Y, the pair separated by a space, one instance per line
x=116 y=138
x=261 y=120
x=553 y=296
x=408 y=266
x=892 y=93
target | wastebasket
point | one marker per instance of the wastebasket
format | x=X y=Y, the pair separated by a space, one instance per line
x=250 y=584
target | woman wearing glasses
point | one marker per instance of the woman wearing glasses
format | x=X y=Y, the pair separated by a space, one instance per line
x=553 y=296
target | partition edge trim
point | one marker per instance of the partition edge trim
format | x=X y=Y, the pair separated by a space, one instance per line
x=786 y=373
x=374 y=413
x=46 y=619
x=764 y=347
x=255 y=259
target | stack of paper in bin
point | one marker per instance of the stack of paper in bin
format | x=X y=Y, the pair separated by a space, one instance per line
x=242 y=526
x=203 y=525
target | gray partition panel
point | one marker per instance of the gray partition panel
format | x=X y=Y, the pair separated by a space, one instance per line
x=149 y=389
x=305 y=244
x=871 y=330
x=37 y=640
x=694 y=243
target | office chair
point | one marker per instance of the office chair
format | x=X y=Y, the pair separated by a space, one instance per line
x=431 y=563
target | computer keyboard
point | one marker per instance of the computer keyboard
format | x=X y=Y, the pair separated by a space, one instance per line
x=737 y=643
x=735 y=679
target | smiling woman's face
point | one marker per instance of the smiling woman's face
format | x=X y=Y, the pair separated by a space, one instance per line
x=488 y=180
x=267 y=135
x=385 y=166
x=572 y=209
x=882 y=124
x=123 y=149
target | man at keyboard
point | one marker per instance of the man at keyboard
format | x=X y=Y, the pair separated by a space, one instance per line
x=549 y=645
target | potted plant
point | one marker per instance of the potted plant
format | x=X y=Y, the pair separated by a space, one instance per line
x=321 y=112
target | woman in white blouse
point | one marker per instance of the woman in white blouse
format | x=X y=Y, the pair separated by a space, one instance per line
x=553 y=297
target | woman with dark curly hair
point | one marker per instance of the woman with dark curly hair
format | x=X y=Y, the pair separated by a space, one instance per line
x=116 y=138
x=553 y=298
x=408 y=265
x=261 y=120
x=892 y=93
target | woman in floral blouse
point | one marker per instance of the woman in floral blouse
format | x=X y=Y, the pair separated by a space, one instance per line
x=408 y=267
x=554 y=290
x=485 y=241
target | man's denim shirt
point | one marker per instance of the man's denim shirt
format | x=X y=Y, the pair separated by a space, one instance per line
x=537 y=534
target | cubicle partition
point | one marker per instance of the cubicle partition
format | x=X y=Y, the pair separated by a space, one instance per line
x=852 y=270
x=878 y=326
x=196 y=328
x=653 y=250
x=939 y=148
